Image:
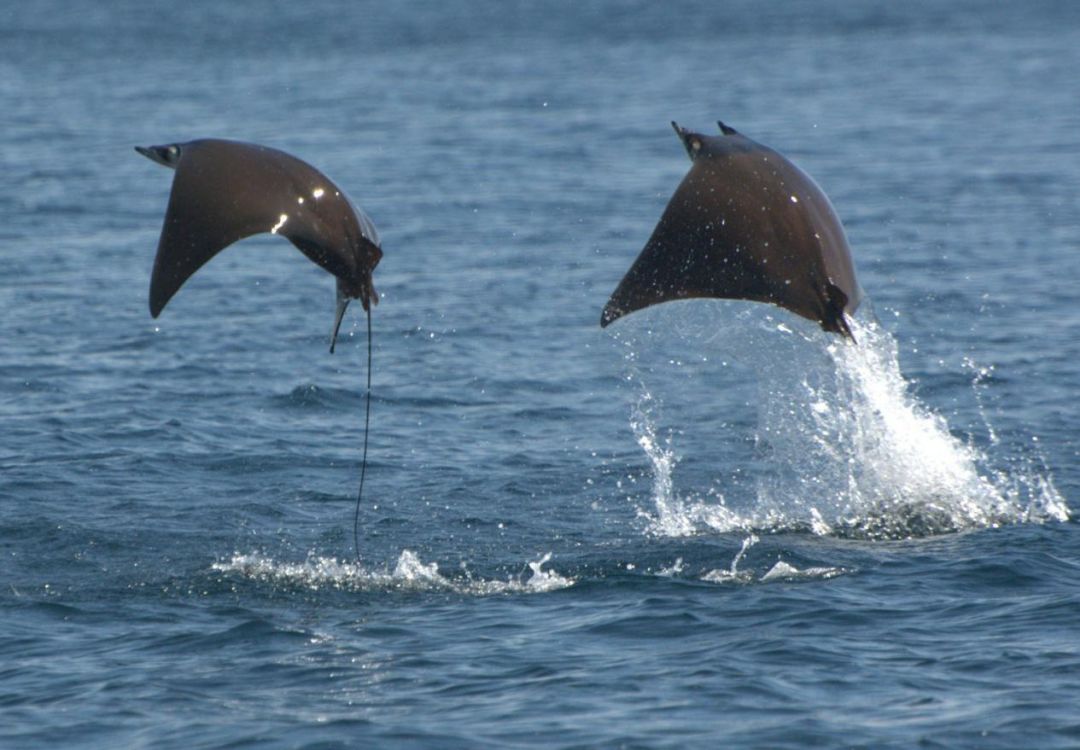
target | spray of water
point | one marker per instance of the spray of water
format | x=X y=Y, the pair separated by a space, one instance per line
x=733 y=573
x=409 y=573
x=845 y=449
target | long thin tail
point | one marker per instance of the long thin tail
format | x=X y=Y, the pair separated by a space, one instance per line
x=363 y=461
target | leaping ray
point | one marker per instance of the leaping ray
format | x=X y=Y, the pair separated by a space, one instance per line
x=224 y=191
x=745 y=223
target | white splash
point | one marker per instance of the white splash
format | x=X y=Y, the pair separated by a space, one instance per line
x=410 y=573
x=780 y=571
x=673 y=570
x=846 y=449
x=883 y=464
x=732 y=573
x=670 y=518
x=783 y=571
x=673 y=515
x=545 y=580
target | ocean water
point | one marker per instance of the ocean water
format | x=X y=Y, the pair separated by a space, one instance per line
x=709 y=525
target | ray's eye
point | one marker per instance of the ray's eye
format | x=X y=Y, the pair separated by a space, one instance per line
x=173 y=152
x=695 y=144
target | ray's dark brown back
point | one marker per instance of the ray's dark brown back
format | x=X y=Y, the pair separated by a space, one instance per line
x=745 y=223
x=224 y=191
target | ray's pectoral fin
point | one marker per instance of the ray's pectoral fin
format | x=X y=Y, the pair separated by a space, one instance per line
x=339 y=313
x=613 y=310
x=609 y=315
x=361 y=287
x=634 y=292
x=735 y=230
x=224 y=191
x=187 y=243
x=836 y=301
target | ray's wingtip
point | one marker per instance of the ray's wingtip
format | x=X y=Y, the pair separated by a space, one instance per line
x=845 y=330
x=609 y=315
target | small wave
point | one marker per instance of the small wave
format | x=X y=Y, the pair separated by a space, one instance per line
x=311 y=396
x=410 y=573
x=780 y=571
x=784 y=571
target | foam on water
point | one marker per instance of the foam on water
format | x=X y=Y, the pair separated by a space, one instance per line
x=845 y=448
x=783 y=571
x=732 y=573
x=410 y=573
x=780 y=571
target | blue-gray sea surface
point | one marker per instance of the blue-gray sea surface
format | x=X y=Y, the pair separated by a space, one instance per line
x=709 y=525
